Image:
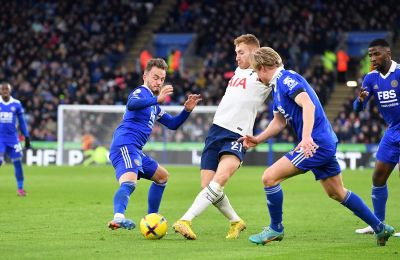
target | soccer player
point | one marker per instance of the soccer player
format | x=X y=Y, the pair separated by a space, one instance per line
x=126 y=155
x=382 y=83
x=296 y=103
x=222 y=154
x=10 y=110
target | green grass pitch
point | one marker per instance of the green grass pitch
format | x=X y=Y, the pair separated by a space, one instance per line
x=65 y=213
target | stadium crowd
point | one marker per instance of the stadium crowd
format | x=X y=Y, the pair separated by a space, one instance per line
x=70 y=53
x=67 y=52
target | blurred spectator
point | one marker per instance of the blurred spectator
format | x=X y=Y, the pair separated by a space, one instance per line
x=342 y=67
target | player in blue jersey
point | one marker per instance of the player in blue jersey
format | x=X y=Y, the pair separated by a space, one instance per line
x=296 y=103
x=383 y=84
x=10 y=110
x=126 y=155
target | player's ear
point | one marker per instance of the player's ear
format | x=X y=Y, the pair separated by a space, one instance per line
x=389 y=53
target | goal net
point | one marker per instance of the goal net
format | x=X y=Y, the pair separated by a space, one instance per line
x=85 y=133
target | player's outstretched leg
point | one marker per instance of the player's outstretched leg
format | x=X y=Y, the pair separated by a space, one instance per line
x=266 y=236
x=121 y=199
x=361 y=210
x=384 y=235
x=184 y=227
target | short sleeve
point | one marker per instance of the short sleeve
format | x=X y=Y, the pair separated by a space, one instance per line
x=291 y=86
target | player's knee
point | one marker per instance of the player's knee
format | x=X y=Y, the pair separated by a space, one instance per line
x=338 y=195
x=335 y=196
x=378 y=179
x=162 y=177
x=268 y=181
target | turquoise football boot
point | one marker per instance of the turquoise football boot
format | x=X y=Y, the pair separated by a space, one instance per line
x=266 y=236
x=384 y=235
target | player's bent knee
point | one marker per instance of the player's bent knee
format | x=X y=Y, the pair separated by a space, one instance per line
x=337 y=195
x=379 y=180
x=128 y=177
x=268 y=181
x=161 y=176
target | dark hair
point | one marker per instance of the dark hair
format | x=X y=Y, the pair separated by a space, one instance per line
x=7 y=84
x=379 y=42
x=159 y=63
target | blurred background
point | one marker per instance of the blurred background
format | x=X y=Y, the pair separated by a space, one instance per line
x=59 y=55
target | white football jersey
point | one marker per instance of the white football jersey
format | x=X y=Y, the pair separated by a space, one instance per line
x=243 y=97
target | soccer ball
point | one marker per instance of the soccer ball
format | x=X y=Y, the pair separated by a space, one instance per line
x=153 y=226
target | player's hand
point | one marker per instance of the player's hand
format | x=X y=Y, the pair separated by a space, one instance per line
x=27 y=143
x=164 y=92
x=363 y=94
x=192 y=101
x=307 y=146
x=248 y=141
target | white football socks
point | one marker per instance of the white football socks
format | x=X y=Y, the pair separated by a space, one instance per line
x=226 y=209
x=210 y=194
x=119 y=216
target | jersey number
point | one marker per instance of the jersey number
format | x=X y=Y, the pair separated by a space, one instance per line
x=237 y=146
x=18 y=148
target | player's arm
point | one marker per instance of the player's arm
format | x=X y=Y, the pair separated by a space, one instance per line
x=276 y=125
x=307 y=143
x=138 y=101
x=23 y=127
x=135 y=102
x=173 y=122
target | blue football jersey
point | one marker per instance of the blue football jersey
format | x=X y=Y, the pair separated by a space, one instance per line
x=386 y=91
x=288 y=84
x=136 y=125
x=9 y=112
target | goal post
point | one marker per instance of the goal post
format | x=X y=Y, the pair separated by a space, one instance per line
x=83 y=128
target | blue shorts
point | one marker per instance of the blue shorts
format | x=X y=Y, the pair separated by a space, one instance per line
x=323 y=164
x=219 y=141
x=389 y=147
x=128 y=158
x=13 y=149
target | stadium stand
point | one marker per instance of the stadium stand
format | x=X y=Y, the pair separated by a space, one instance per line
x=72 y=53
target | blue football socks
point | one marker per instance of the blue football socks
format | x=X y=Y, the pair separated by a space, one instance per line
x=379 y=198
x=361 y=210
x=274 y=202
x=122 y=195
x=156 y=191
x=19 y=174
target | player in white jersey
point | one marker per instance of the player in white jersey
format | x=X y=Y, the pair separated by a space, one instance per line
x=222 y=154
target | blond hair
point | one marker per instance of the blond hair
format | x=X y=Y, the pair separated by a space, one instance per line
x=265 y=57
x=248 y=39
x=157 y=62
